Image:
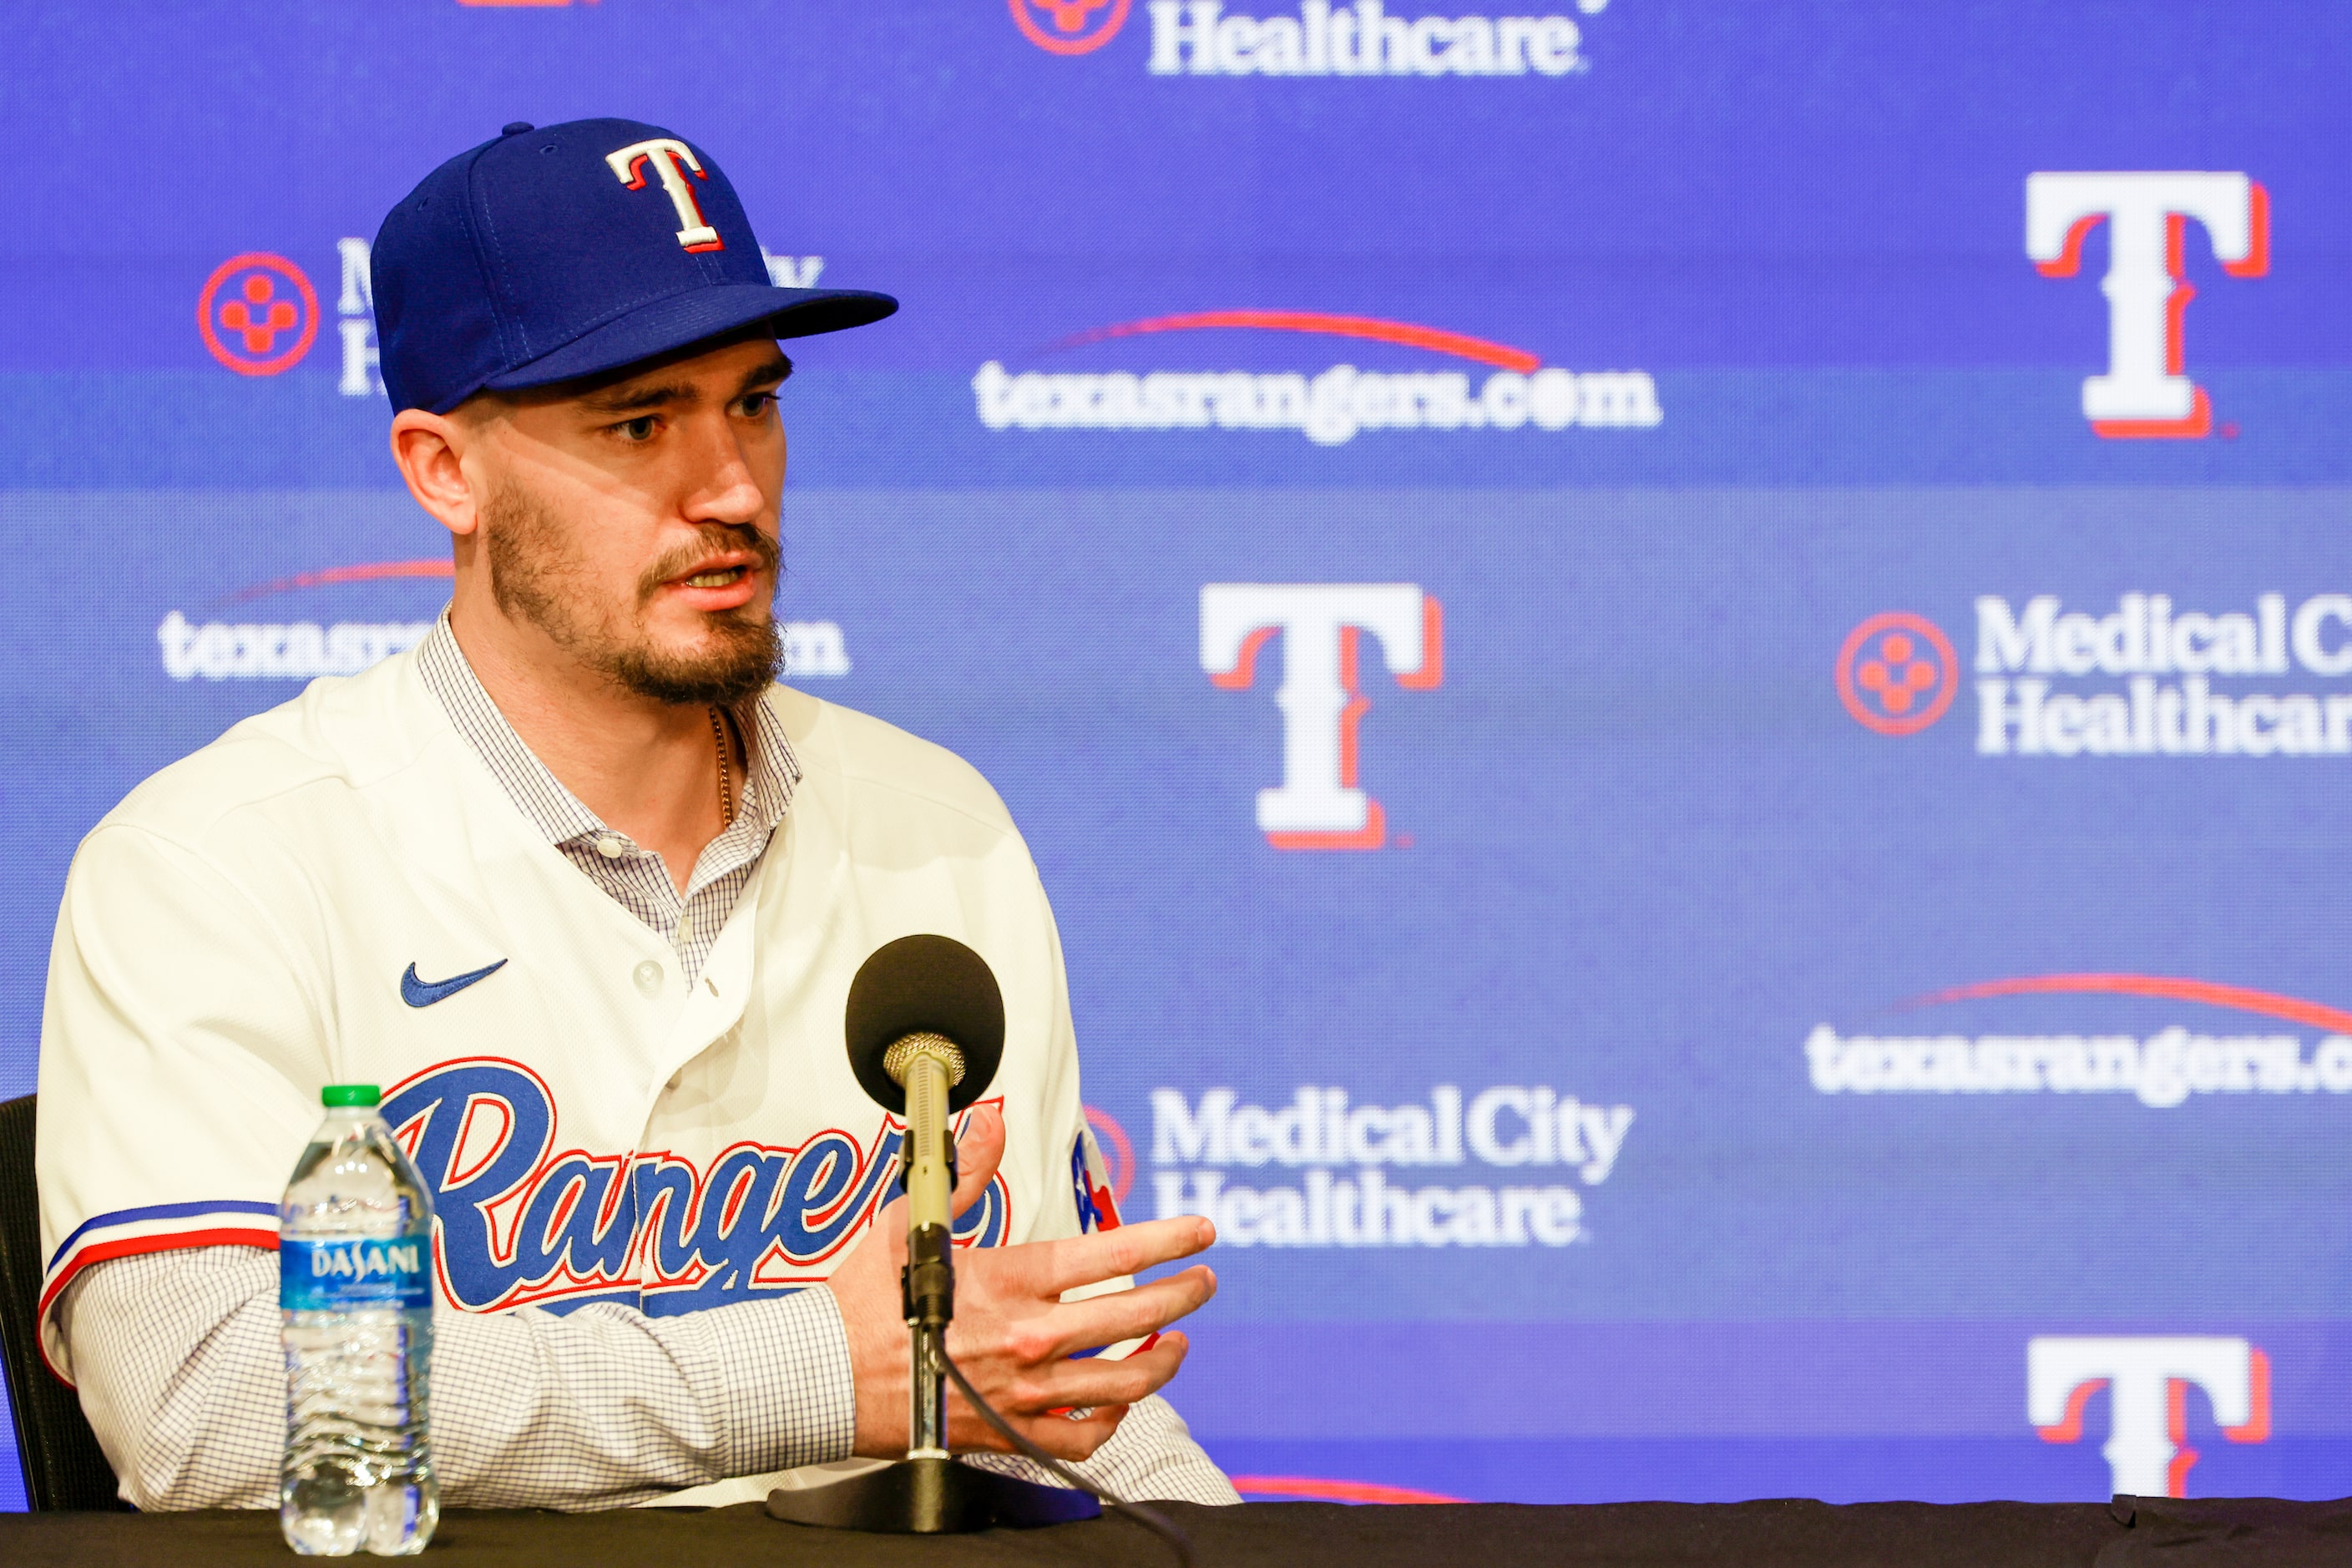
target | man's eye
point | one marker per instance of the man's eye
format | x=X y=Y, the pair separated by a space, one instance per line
x=757 y=404
x=641 y=429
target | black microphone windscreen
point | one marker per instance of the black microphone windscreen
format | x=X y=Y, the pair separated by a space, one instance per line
x=925 y=984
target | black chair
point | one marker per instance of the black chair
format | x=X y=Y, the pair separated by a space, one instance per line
x=63 y=1466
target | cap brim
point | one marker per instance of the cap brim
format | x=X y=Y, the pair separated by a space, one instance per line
x=682 y=320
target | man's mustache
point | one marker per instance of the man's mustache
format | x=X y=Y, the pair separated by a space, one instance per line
x=766 y=552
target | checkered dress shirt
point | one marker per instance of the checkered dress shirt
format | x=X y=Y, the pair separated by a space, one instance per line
x=632 y=877
x=181 y=1373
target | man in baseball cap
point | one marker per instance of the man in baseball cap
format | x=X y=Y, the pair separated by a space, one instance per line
x=552 y=255
x=583 y=890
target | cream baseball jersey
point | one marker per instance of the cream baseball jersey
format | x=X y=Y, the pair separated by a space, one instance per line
x=338 y=890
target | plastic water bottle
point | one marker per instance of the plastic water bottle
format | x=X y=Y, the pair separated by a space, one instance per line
x=355 y=1287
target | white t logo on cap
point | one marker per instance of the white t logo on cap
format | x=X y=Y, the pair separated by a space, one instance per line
x=671 y=159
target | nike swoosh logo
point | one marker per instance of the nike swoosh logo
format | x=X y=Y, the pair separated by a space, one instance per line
x=425 y=993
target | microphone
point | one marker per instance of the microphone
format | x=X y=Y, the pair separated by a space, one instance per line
x=924 y=986
x=925 y=1027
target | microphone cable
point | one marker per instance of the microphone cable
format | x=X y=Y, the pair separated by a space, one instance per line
x=1152 y=1519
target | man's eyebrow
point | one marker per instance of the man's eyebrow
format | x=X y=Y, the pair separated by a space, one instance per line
x=626 y=398
x=630 y=398
x=774 y=373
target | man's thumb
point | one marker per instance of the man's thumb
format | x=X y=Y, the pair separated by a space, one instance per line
x=977 y=1153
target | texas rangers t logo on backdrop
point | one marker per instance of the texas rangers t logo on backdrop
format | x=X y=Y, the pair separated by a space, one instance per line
x=1317 y=804
x=2146 y=391
x=671 y=159
x=2148 y=1380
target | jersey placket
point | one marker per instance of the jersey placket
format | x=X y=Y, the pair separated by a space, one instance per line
x=631 y=875
x=637 y=878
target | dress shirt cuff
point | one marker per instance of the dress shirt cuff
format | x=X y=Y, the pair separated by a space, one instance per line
x=790 y=1397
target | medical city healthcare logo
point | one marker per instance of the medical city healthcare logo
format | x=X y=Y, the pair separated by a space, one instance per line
x=1320 y=38
x=1896 y=673
x=1070 y=26
x=1349 y=1175
x=257 y=313
x=1318 y=804
x=262 y=310
x=2147 y=391
x=2143 y=675
x=1329 y=408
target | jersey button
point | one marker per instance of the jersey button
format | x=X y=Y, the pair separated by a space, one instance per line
x=648 y=977
x=610 y=846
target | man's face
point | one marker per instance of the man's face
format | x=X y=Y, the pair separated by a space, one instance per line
x=635 y=524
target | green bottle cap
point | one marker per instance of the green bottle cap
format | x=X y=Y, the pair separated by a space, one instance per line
x=350 y=1094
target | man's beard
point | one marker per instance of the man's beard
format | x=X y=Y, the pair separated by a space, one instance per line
x=535 y=577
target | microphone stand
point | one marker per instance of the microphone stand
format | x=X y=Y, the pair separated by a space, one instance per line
x=928 y=1493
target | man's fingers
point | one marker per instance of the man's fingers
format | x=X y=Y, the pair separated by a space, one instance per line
x=977 y=1154
x=1064 y=1438
x=1096 y=1383
x=1101 y=1320
x=1129 y=1249
x=888 y=1228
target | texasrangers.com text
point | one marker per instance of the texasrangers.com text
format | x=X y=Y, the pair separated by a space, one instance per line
x=2162 y=1070
x=1329 y=408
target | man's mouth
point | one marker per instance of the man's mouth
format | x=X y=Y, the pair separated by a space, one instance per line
x=720 y=575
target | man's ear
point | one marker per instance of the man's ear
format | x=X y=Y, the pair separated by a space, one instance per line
x=431 y=449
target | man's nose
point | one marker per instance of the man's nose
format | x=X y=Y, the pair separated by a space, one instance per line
x=723 y=487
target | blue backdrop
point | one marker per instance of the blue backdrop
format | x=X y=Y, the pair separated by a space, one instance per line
x=1797 y=941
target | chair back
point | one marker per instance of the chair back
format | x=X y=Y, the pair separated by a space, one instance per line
x=64 y=1467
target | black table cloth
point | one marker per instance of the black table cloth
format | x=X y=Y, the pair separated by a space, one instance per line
x=2127 y=1533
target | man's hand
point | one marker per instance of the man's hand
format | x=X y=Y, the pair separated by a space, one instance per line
x=1013 y=1334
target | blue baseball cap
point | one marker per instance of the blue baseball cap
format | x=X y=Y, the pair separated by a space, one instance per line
x=559 y=252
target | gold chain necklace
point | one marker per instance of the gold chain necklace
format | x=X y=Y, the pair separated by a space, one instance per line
x=726 y=774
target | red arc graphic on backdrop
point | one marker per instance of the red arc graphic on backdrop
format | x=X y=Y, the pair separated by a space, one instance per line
x=1461 y=346
x=327 y=577
x=2239 y=998
x=1322 y=1490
